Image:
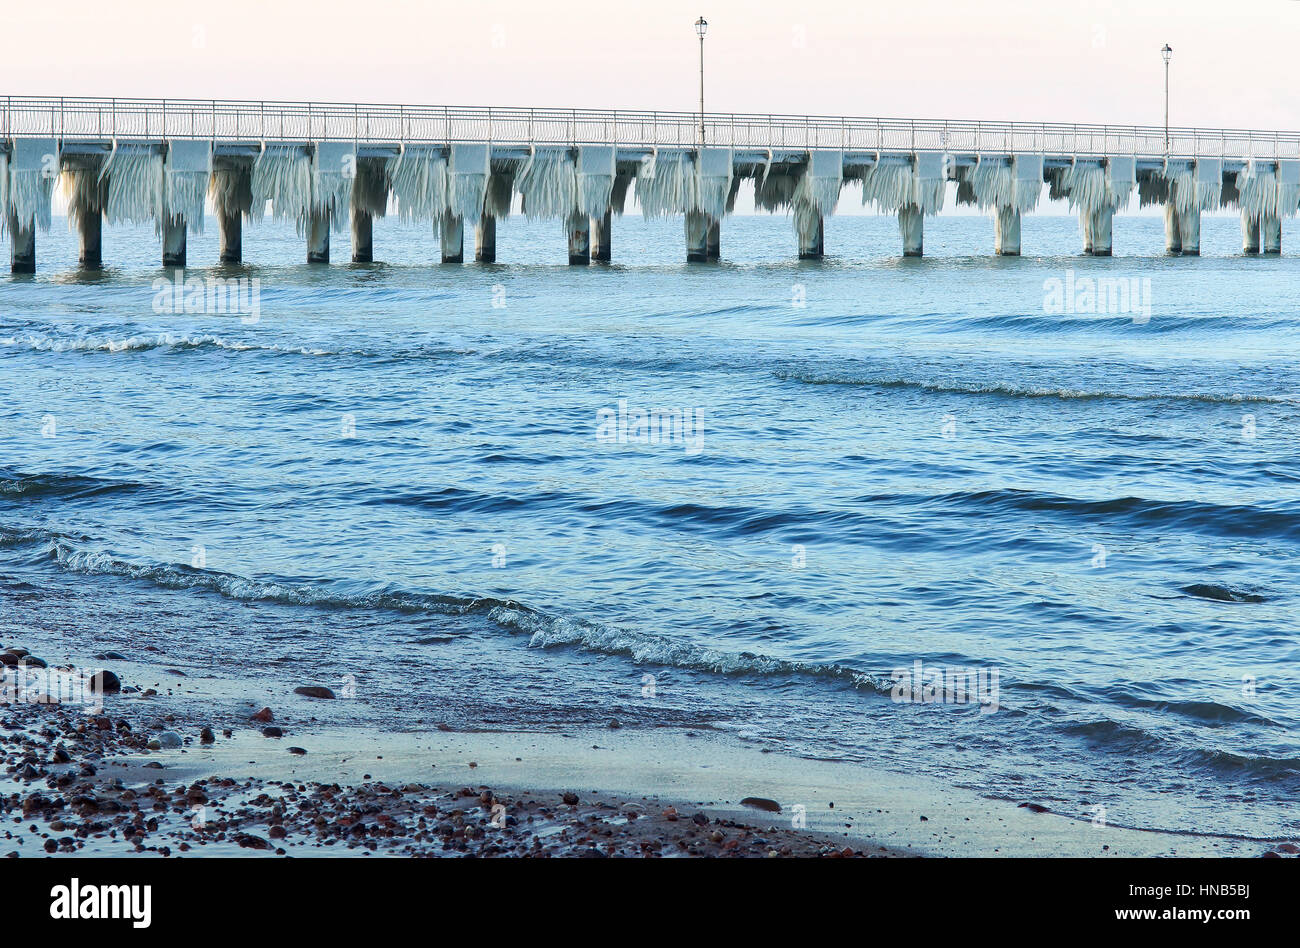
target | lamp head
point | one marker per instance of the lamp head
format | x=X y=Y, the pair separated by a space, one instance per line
x=1167 y=52
x=701 y=26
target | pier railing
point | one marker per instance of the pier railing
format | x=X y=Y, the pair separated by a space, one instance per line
x=223 y=120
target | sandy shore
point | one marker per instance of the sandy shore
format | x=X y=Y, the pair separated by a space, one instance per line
x=303 y=783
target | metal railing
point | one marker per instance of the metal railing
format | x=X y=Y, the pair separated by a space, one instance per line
x=224 y=120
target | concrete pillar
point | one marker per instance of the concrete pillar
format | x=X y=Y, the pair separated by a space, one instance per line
x=22 y=246
x=1189 y=231
x=318 y=237
x=579 y=239
x=812 y=240
x=602 y=250
x=452 y=233
x=1173 y=238
x=485 y=239
x=1085 y=231
x=911 y=224
x=230 y=224
x=174 y=242
x=91 y=225
x=1249 y=234
x=697 y=237
x=1271 y=232
x=713 y=239
x=1006 y=232
x=363 y=241
x=1100 y=231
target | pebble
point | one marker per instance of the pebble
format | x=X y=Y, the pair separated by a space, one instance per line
x=313 y=691
x=272 y=732
x=105 y=682
x=571 y=799
x=263 y=716
x=297 y=750
x=206 y=736
x=170 y=740
x=762 y=803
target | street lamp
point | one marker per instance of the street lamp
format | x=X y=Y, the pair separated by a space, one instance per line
x=701 y=27
x=1166 y=54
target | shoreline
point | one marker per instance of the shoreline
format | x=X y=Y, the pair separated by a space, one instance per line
x=354 y=790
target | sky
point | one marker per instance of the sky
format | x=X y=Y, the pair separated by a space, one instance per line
x=1234 y=64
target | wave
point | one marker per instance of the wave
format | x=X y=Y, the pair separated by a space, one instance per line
x=544 y=630
x=148 y=341
x=1012 y=390
x=60 y=485
x=1116 y=737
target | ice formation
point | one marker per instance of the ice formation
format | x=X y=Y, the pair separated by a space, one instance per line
x=549 y=184
x=4 y=191
x=713 y=170
x=597 y=168
x=282 y=175
x=418 y=177
x=921 y=183
x=135 y=185
x=33 y=166
x=333 y=169
x=1028 y=181
x=83 y=190
x=665 y=183
x=187 y=173
x=467 y=176
x=370 y=187
x=231 y=189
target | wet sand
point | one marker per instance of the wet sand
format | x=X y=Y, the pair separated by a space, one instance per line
x=91 y=784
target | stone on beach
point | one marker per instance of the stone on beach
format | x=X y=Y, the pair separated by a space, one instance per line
x=263 y=716
x=762 y=803
x=313 y=691
x=105 y=682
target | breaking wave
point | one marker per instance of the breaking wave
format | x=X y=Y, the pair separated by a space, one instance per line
x=147 y=341
x=543 y=630
x=1012 y=390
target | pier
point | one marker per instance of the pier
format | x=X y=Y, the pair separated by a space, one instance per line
x=334 y=168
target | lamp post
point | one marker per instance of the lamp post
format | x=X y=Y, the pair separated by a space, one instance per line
x=701 y=27
x=1166 y=53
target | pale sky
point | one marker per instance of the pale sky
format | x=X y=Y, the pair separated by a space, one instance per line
x=1234 y=62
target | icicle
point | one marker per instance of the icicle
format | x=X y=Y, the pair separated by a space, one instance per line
x=1121 y=178
x=333 y=170
x=135 y=185
x=33 y=167
x=618 y=194
x=1257 y=194
x=596 y=170
x=992 y=183
x=282 y=175
x=187 y=173
x=888 y=186
x=732 y=192
x=467 y=176
x=774 y=191
x=1028 y=181
x=931 y=183
x=1153 y=188
x=83 y=191
x=665 y=184
x=819 y=186
x=4 y=192
x=713 y=167
x=419 y=181
x=1085 y=186
x=1209 y=183
x=1288 y=187
x=549 y=185
x=231 y=189
x=501 y=186
x=1182 y=187
x=370 y=187
x=1057 y=183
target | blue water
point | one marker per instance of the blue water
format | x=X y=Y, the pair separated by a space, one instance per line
x=1103 y=509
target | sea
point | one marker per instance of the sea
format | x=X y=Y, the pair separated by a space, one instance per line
x=1024 y=525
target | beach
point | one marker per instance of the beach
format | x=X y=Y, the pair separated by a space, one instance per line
x=276 y=781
